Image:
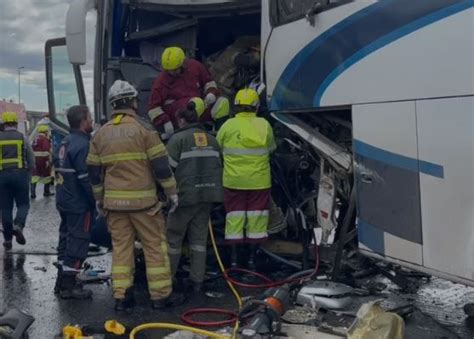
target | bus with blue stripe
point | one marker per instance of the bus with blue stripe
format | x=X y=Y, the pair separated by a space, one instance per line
x=382 y=90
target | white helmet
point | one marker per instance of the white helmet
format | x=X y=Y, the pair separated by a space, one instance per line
x=121 y=90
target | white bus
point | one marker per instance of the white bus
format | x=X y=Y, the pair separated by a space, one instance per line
x=392 y=80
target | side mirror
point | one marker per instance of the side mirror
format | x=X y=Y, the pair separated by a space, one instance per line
x=76 y=30
x=317 y=7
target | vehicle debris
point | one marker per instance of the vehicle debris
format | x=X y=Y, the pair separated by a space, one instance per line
x=373 y=322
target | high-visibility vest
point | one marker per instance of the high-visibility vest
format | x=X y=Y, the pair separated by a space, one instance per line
x=12 y=150
x=246 y=142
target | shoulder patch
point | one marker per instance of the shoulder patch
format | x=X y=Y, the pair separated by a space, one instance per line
x=62 y=152
x=200 y=139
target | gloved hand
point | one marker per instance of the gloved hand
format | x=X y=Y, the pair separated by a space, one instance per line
x=210 y=99
x=99 y=206
x=169 y=130
x=173 y=201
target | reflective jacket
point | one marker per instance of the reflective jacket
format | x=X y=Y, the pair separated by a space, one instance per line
x=171 y=93
x=126 y=159
x=73 y=186
x=15 y=150
x=246 y=142
x=42 y=150
x=194 y=155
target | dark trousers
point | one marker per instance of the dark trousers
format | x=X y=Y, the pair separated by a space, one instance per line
x=74 y=238
x=14 y=189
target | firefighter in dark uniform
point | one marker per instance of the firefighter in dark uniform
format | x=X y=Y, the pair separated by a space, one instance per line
x=75 y=203
x=16 y=163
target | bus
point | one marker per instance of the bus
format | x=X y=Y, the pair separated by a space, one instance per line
x=381 y=91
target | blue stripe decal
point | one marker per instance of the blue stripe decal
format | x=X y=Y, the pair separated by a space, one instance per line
x=398 y=160
x=431 y=169
x=307 y=76
x=376 y=45
x=371 y=236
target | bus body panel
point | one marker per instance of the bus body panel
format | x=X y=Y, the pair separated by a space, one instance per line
x=446 y=137
x=365 y=52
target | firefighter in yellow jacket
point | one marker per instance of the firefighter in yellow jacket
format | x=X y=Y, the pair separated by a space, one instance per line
x=246 y=142
x=125 y=158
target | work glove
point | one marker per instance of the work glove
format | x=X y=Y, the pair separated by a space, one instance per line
x=173 y=201
x=210 y=99
x=169 y=130
x=99 y=206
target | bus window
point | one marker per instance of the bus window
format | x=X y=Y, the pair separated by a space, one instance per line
x=64 y=81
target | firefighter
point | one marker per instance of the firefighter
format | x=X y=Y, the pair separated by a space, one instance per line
x=181 y=80
x=125 y=159
x=246 y=142
x=195 y=157
x=42 y=151
x=75 y=203
x=16 y=163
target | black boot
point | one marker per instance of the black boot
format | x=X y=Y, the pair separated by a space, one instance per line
x=126 y=303
x=72 y=289
x=252 y=266
x=174 y=299
x=33 y=191
x=233 y=256
x=7 y=244
x=57 y=284
x=18 y=233
x=47 y=191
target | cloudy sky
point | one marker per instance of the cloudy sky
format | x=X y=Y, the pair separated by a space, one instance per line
x=25 y=25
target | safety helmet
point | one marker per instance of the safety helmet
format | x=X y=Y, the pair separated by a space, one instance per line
x=121 y=90
x=172 y=58
x=199 y=105
x=43 y=128
x=9 y=118
x=247 y=97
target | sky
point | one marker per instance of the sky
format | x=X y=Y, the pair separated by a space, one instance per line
x=25 y=25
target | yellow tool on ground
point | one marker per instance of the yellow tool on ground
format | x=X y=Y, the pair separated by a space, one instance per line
x=72 y=332
x=113 y=326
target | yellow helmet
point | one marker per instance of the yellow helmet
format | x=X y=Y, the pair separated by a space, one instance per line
x=43 y=129
x=247 y=97
x=199 y=105
x=172 y=58
x=9 y=118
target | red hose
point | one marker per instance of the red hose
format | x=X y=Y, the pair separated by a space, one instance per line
x=186 y=317
x=268 y=281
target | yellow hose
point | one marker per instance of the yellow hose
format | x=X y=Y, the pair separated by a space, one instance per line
x=232 y=288
x=170 y=326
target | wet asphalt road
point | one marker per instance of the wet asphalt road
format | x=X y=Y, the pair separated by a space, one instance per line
x=27 y=280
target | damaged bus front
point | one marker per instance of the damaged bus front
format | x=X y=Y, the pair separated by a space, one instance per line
x=365 y=107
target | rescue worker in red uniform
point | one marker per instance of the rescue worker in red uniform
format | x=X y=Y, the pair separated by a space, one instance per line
x=181 y=80
x=42 y=173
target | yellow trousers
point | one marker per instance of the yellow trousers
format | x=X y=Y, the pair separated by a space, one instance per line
x=124 y=228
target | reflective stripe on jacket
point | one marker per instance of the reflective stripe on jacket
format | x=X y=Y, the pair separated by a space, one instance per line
x=125 y=159
x=12 y=150
x=246 y=142
x=194 y=154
